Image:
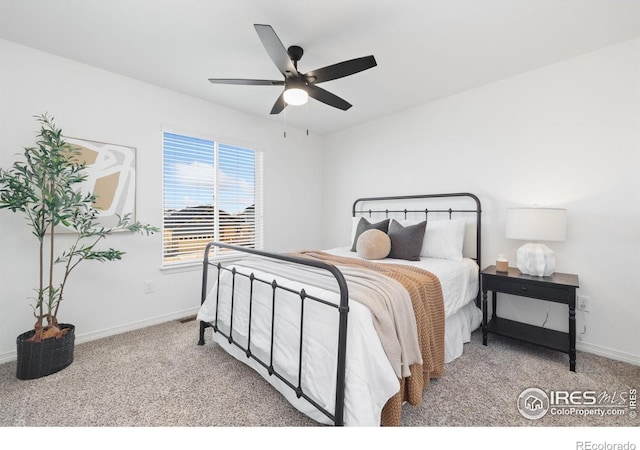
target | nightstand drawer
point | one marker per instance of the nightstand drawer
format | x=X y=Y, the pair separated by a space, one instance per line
x=525 y=289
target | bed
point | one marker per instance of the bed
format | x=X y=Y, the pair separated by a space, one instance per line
x=345 y=339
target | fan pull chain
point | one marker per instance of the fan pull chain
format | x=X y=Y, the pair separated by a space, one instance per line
x=284 y=122
x=306 y=107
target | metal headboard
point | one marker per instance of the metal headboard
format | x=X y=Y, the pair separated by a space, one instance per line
x=404 y=212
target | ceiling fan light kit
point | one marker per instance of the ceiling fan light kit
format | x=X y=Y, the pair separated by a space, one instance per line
x=295 y=96
x=298 y=87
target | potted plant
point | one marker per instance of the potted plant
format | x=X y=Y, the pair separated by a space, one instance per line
x=45 y=187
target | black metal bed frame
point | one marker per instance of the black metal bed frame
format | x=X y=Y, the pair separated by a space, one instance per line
x=337 y=416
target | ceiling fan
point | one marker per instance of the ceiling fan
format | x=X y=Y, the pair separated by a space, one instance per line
x=299 y=86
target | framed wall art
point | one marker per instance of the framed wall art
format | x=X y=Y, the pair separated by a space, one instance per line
x=111 y=176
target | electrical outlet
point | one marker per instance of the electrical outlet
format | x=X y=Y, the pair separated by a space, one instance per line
x=584 y=303
x=149 y=287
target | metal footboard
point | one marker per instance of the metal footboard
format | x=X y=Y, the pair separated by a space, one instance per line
x=337 y=416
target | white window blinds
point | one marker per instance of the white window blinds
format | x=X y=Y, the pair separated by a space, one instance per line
x=212 y=192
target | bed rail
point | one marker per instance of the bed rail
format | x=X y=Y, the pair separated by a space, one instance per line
x=337 y=416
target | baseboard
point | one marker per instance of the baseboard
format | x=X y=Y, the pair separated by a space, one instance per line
x=608 y=353
x=86 y=337
x=92 y=336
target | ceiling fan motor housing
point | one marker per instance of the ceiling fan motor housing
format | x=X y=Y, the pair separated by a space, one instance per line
x=295 y=53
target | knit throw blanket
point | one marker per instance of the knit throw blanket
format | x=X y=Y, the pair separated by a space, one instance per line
x=428 y=306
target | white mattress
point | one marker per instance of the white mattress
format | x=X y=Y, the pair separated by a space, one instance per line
x=370 y=379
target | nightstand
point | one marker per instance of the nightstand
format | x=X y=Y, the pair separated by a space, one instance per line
x=559 y=288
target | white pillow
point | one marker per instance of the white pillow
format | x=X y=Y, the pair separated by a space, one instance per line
x=443 y=239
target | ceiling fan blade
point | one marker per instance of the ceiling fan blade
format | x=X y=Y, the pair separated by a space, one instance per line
x=340 y=70
x=276 y=50
x=279 y=105
x=246 y=81
x=327 y=97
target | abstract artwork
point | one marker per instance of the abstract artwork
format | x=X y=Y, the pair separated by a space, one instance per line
x=111 y=177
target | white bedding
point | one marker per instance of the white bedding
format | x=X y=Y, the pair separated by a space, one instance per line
x=370 y=379
x=459 y=282
x=459 y=279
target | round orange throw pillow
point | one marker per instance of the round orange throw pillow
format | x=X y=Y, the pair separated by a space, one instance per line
x=373 y=244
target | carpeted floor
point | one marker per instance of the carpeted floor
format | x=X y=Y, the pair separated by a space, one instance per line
x=159 y=377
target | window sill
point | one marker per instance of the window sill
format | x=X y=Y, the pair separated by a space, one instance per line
x=197 y=265
x=185 y=267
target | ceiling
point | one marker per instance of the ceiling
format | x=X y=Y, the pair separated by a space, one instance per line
x=425 y=49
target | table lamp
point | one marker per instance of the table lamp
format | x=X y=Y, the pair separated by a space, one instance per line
x=533 y=225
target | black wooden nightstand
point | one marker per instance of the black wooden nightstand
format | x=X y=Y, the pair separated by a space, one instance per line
x=559 y=288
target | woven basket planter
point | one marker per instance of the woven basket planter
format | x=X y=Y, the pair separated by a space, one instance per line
x=46 y=357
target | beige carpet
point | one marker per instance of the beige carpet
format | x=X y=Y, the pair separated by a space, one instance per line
x=159 y=377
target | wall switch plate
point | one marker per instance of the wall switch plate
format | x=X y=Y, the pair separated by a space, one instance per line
x=584 y=303
x=149 y=287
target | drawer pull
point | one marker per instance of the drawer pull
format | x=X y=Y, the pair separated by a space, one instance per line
x=524 y=289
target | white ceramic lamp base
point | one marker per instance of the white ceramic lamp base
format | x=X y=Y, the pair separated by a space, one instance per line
x=536 y=259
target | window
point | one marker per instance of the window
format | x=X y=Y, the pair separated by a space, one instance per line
x=211 y=192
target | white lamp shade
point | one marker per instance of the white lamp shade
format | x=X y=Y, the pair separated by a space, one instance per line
x=536 y=224
x=295 y=96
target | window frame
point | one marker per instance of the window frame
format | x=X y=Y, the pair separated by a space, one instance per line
x=258 y=192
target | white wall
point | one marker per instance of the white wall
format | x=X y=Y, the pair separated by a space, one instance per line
x=565 y=135
x=94 y=104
